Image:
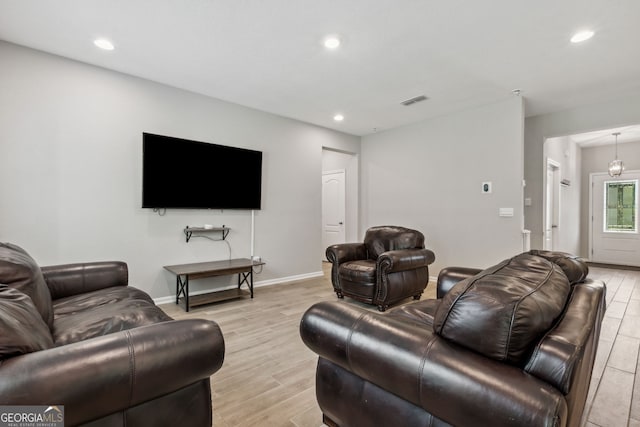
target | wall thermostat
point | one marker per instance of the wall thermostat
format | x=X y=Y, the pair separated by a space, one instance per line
x=486 y=187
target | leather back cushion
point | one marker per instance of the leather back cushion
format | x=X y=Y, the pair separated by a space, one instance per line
x=503 y=311
x=390 y=238
x=19 y=271
x=22 y=328
x=573 y=267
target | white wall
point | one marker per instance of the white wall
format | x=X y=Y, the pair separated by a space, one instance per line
x=596 y=159
x=565 y=152
x=70 y=172
x=429 y=175
x=625 y=110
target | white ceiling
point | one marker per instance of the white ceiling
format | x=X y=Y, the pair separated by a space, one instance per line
x=605 y=136
x=269 y=55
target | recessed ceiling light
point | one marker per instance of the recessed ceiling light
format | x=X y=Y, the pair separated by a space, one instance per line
x=331 y=42
x=338 y=117
x=581 y=36
x=104 y=44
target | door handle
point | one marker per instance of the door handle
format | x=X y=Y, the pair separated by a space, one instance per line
x=340 y=223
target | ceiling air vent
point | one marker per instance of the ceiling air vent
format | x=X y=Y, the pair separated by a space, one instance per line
x=414 y=100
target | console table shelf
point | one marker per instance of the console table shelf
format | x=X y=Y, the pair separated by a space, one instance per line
x=243 y=267
x=188 y=231
x=219 y=296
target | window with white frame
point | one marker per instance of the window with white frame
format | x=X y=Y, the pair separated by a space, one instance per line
x=621 y=206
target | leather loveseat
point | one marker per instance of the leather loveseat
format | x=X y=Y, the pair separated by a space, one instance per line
x=77 y=335
x=512 y=345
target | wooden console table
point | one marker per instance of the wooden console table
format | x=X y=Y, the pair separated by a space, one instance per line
x=184 y=272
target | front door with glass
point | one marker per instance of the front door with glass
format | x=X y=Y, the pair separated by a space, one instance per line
x=614 y=226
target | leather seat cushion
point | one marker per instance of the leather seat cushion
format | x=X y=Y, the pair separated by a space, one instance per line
x=419 y=312
x=22 y=329
x=363 y=271
x=358 y=278
x=21 y=272
x=102 y=312
x=503 y=311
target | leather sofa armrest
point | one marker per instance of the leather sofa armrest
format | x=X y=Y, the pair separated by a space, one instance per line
x=449 y=276
x=100 y=376
x=405 y=259
x=562 y=357
x=344 y=252
x=71 y=279
x=415 y=364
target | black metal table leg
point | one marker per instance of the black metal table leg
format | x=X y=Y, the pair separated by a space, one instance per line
x=186 y=294
x=246 y=277
x=182 y=288
x=251 y=282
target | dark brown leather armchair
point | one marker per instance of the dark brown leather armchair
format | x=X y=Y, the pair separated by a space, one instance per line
x=77 y=335
x=513 y=345
x=391 y=265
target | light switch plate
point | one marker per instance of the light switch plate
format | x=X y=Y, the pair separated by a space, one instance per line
x=506 y=212
x=486 y=187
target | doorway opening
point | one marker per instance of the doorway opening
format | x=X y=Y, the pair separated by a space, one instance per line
x=551 y=205
x=339 y=198
x=577 y=223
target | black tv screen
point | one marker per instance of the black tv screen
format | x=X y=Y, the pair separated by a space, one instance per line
x=179 y=173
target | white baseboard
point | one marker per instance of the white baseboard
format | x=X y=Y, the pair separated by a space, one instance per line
x=287 y=279
x=258 y=284
x=164 y=300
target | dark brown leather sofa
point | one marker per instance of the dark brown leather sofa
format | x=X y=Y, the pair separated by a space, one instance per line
x=512 y=345
x=77 y=335
x=391 y=265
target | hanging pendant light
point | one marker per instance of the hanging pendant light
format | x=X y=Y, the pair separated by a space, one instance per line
x=616 y=166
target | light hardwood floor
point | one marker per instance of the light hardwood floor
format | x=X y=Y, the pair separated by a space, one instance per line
x=268 y=374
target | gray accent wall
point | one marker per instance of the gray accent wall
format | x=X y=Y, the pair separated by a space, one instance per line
x=429 y=176
x=71 y=164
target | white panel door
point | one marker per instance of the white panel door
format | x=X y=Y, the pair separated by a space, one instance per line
x=333 y=208
x=614 y=226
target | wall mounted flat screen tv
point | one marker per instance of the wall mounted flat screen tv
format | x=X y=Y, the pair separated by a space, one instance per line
x=179 y=173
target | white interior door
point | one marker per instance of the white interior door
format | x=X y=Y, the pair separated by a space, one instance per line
x=551 y=205
x=614 y=219
x=333 y=208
